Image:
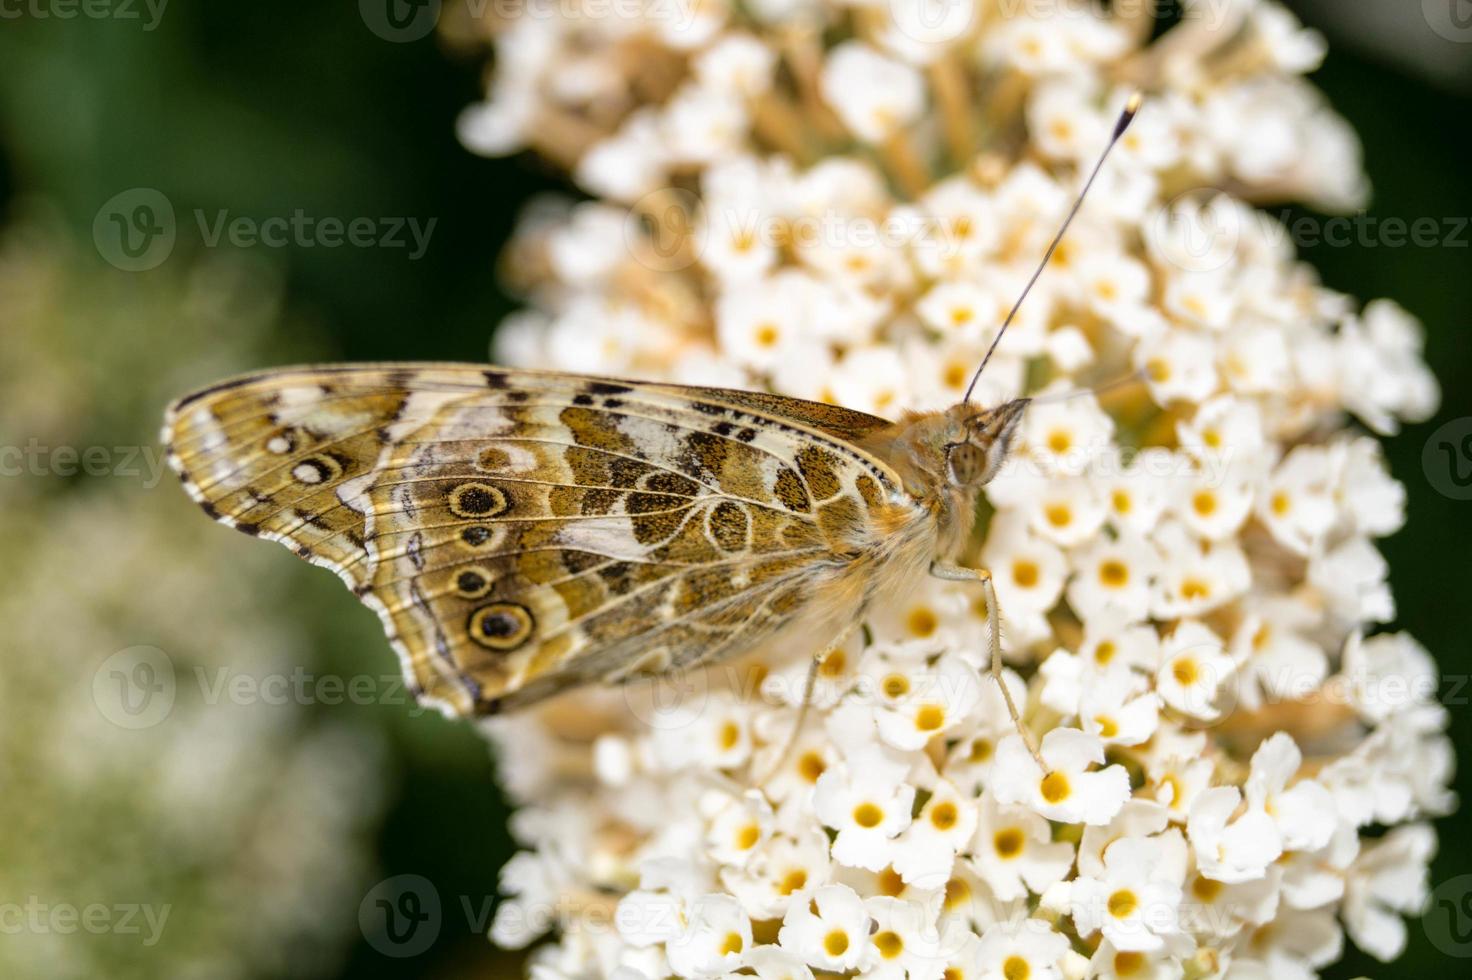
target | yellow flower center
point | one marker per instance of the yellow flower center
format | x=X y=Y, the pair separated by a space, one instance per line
x=1055 y=788
x=890 y=883
x=1123 y=903
x=1025 y=573
x=1059 y=441
x=957 y=893
x=868 y=816
x=767 y=335
x=1104 y=652
x=1206 y=889
x=810 y=766
x=1114 y=573
x=1108 y=727
x=793 y=881
x=747 y=837
x=889 y=944
x=922 y=621
x=1194 y=588
x=733 y=943
x=1016 y=968
x=1008 y=843
x=981 y=750
x=1128 y=964
x=835 y=943
x=1185 y=671
x=730 y=735
x=1204 y=503
x=930 y=718
x=943 y=816
x=896 y=686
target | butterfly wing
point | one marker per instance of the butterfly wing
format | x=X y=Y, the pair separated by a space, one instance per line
x=521 y=532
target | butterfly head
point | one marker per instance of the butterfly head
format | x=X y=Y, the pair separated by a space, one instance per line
x=982 y=441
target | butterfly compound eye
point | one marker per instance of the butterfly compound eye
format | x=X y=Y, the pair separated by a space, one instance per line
x=966 y=463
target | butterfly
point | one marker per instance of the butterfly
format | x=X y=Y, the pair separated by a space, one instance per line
x=520 y=533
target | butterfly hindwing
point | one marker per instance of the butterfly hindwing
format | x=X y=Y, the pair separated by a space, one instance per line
x=521 y=532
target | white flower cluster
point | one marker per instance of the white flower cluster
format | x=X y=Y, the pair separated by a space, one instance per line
x=840 y=202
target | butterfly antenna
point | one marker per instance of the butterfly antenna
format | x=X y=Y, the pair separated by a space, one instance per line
x=1125 y=118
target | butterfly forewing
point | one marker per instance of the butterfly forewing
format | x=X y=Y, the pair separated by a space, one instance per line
x=522 y=532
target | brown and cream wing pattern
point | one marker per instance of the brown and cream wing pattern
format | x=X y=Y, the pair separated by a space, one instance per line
x=521 y=532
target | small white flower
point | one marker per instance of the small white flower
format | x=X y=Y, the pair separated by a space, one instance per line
x=1014 y=851
x=866 y=803
x=1193 y=667
x=872 y=94
x=1304 y=811
x=1031 y=949
x=714 y=941
x=782 y=871
x=1069 y=791
x=1179 y=366
x=1135 y=902
x=926 y=852
x=1388 y=880
x=831 y=932
x=1231 y=849
x=1118 y=709
x=1115 y=578
x=905 y=940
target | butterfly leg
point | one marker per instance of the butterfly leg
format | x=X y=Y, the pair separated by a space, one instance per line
x=958 y=573
x=810 y=684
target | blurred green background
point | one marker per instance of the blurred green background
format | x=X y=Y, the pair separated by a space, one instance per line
x=274 y=106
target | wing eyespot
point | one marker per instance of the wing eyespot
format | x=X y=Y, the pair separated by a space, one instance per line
x=501 y=626
x=473 y=582
x=477 y=500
